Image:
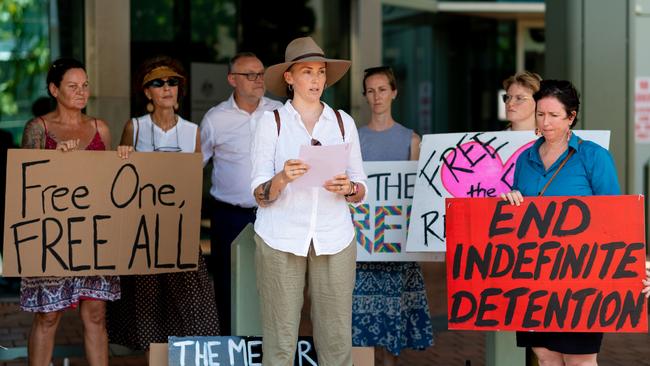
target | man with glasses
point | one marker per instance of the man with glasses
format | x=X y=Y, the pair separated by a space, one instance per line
x=226 y=132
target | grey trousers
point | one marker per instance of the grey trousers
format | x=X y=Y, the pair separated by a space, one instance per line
x=280 y=283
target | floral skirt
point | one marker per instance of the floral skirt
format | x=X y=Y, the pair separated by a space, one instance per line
x=49 y=294
x=390 y=307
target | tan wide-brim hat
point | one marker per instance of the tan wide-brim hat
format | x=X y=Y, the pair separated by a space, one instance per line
x=302 y=49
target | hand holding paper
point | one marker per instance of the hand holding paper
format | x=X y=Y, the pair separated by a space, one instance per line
x=294 y=169
x=325 y=163
x=340 y=184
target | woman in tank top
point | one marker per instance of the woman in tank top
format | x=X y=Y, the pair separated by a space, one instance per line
x=154 y=307
x=390 y=309
x=67 y=129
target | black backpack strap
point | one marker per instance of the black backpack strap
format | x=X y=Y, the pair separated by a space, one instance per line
x=338 y=118
x=277 y=119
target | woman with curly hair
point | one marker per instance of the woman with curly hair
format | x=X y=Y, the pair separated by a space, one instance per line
x=154 y=307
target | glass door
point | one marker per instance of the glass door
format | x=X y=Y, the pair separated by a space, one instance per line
x=450 y=65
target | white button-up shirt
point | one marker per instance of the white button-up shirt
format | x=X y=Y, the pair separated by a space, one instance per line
x=300 y=216
x=226 y=134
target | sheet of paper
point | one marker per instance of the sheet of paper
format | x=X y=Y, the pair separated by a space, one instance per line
x=324 y=163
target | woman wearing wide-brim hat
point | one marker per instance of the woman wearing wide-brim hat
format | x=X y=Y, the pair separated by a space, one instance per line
x=305 y=231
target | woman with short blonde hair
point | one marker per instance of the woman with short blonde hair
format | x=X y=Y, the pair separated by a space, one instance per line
x=518 y=99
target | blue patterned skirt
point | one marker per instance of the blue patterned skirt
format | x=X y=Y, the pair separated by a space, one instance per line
x=390 y=307
x=48 y=294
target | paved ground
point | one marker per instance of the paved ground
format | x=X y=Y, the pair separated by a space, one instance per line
x=450 y=349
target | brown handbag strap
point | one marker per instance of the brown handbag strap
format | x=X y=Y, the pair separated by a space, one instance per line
x=338 y=118
x=541 y=193
x=277 y=119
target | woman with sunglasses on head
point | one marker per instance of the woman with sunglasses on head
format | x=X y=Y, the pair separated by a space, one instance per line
x=518 y=99
x=154 y=307
x=562 y=164
x=67 y=128
x=390 y=306
x=305 y=233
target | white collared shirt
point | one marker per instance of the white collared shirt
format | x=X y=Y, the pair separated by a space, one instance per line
x=226 y=134
x=300 y=216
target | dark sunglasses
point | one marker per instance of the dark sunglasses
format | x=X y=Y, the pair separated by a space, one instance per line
x=250 y=76
x=159 y=83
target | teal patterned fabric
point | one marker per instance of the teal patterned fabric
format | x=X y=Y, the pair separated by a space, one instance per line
x=390 y=307
x=389 y=303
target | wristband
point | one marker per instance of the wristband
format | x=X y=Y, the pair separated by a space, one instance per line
x=354 y=189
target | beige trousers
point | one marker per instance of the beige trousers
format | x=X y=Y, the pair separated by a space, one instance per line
x=281 y=281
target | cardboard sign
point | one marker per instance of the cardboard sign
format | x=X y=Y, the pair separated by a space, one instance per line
x=477 y=164
x=89 y=212
x=571 y=264
x=231 y=350
x=381 y=223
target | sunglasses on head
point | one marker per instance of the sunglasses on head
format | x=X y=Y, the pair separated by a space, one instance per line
x=159 y=83
x=373 y=70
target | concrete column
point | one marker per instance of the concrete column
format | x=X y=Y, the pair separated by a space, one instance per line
x=501 y=350
x=108 y=62
x=591 y=43
x=366 y=51
x=642 y=69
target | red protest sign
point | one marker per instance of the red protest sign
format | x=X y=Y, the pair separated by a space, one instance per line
x=570 y=264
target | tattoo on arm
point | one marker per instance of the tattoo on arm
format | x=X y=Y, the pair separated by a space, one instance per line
x=263 y=194
x=266 y=191
x=33 y=135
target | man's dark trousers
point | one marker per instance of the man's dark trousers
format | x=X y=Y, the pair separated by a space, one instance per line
x=226 y=222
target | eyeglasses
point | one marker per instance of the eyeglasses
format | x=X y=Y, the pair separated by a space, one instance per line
x=517 y=99
x=167 y=149
x=250 y=76
x=176 y=148
x=315 y=142
x=159 y=83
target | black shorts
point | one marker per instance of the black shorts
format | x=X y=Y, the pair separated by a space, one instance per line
x=569 y=343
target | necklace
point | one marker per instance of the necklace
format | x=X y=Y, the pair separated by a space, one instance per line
x=176 y=148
